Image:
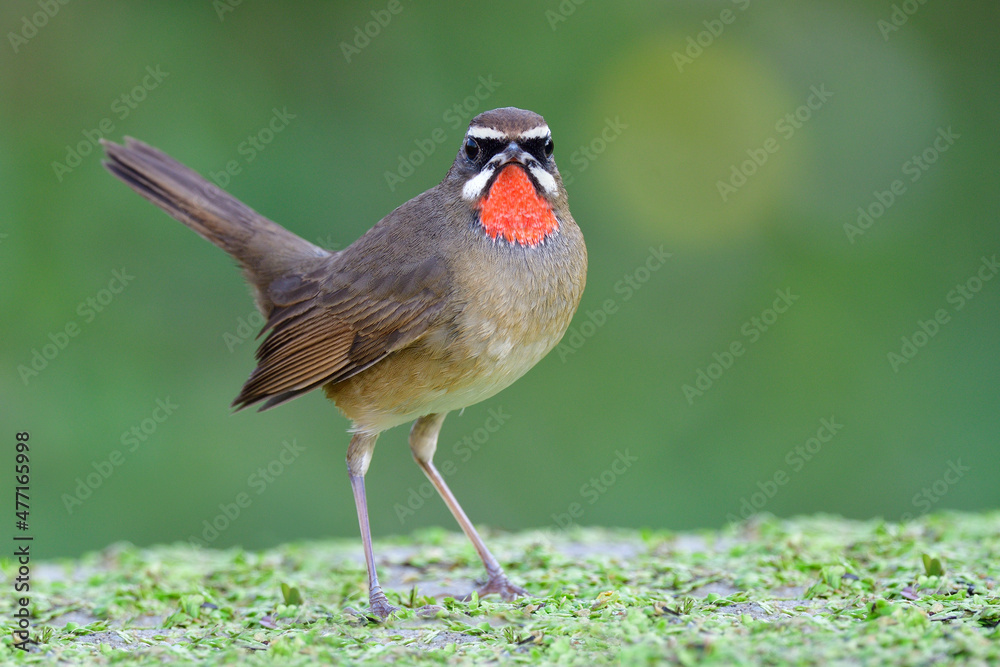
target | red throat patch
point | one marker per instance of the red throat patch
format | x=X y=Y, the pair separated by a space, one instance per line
x=514 y=211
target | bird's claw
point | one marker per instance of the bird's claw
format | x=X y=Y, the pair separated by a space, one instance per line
x=500 y=585
x=380 y=606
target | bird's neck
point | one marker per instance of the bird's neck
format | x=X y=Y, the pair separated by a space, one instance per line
x=514 y=211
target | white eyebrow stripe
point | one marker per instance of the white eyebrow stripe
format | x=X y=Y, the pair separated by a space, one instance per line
x=544 y=178
x=536 y=133
x=485 y=133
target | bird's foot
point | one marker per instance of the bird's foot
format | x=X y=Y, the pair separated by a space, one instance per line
x=380 y=606
x=501 y=585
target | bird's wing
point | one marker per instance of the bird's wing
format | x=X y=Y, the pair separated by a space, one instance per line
x=338 y=320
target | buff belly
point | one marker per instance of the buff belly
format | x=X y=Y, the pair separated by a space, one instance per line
x=443 y=372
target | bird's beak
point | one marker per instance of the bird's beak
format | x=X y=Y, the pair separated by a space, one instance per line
x=517 y=155
x=513 y=153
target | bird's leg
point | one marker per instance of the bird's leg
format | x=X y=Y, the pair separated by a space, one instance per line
x=423 y=443
x=359 y=455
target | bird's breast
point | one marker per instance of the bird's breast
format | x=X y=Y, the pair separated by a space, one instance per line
x=507 y=306
x=516 y=304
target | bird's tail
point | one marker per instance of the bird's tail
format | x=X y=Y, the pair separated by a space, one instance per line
x=265 y=250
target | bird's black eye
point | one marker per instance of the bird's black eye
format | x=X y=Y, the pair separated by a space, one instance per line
x=549 y=147
x=471 y=148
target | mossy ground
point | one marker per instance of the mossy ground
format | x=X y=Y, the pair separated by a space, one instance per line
x=813 y=591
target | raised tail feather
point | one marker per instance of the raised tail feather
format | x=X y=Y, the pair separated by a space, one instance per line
x=265 y=250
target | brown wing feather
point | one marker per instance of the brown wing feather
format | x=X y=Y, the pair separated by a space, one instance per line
x=339 y=320
x=330 y=316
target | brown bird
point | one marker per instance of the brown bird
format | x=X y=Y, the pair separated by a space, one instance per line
x=443 y=303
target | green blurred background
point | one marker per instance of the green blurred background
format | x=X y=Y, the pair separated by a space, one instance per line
x=652 y=105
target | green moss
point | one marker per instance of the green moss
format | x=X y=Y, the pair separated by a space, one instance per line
x=816 y=590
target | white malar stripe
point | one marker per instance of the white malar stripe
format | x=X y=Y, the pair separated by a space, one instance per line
x=544 y=178
x=536 y=133
x=473 y=187
x=477 y=132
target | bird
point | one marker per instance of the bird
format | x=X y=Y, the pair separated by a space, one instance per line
x=444 y=302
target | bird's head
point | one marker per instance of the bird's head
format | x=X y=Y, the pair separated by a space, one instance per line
x=508 y=176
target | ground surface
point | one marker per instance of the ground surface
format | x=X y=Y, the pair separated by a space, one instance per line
x=815 y=590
